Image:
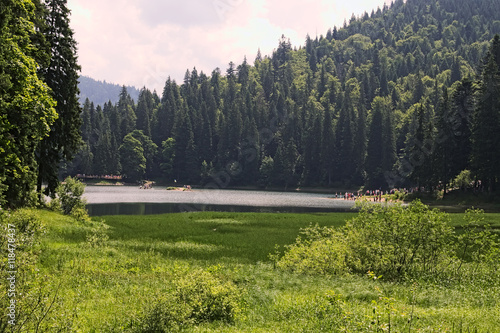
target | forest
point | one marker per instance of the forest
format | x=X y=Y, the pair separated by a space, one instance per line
x=404 y=96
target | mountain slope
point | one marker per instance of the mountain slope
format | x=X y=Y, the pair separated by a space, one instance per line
x=102 y=92
x=358 y=106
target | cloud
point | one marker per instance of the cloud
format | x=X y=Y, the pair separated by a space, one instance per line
x=186 y=13
x=142 y=42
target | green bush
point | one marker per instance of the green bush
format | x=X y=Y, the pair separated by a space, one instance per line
x=464 y=180
x=316 y=250
x=98 y=235
x=394 y=241
x=70 y=195
x=198 y=297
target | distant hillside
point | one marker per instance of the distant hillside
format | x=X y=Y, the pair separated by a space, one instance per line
x=101 y=92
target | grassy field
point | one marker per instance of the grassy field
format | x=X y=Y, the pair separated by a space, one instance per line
x=109 y=279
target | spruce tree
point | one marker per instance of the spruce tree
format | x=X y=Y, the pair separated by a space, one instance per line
x=485 y=158
x=61 y=76
x=374 y=157
x=444 y=142
x=144 y=111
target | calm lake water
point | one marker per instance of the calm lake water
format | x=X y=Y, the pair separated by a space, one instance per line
x=114 y=200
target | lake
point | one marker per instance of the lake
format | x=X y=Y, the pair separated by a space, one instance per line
x=130 y=200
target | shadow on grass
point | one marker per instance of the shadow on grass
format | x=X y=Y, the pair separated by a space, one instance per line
x=241 y=237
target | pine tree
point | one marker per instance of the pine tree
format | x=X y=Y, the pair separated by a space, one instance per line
x=374 y=158
x=144 y=111
x=125 y=109
x=486 y=123
x=328 y=146
x=462 y=107
x=61 y=76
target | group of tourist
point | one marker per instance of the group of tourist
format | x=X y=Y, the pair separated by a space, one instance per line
x=84 y=176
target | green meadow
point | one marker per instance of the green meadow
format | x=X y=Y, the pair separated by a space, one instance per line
x=130 y=272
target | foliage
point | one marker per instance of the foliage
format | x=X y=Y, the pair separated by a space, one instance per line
x=476 y=243
x=385 y=101
x=394 y=241
x=61 y=76
x=26 y=106
x=69 y=195
x=316 y=251
x=132 y=156
x=33 y=297
x=151 y=260
x=463 y=180
x=199 y=297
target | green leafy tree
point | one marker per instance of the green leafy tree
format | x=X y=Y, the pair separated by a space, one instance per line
x=167 y=158
x=69 y=194
x=26 y=106
x=266 y=171
x=132 y=158
x=150 y=150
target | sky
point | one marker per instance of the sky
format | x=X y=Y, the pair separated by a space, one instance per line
x=143 y=42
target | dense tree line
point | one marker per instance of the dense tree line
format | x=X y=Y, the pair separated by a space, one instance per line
x=404 y=96
x=39 y=110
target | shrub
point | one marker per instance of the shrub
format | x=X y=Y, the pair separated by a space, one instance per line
x=98 y=235
x=70 y=195
x=198 y=297
x=316 y=250
x=394 y=241
x=464 y=180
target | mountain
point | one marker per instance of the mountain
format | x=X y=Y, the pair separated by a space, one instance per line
x=101 y=92
x=389 y=99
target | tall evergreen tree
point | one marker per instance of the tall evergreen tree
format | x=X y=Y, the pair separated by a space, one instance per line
x=144 y=111
x=486 y=122
x=61 y=76
x=374 y=158
x=126 y=112
x=461 y=107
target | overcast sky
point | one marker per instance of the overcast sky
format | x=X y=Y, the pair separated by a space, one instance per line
x=142 y=42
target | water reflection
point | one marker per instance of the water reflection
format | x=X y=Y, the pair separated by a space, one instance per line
x=147 y=208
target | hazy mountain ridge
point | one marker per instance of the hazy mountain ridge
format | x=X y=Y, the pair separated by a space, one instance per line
x=101 y=92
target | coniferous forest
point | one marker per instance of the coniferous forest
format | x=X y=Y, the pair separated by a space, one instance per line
x=403 y=96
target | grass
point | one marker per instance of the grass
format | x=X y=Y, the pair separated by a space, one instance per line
x=108 y=288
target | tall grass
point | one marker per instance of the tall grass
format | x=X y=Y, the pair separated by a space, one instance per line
x=112 y=280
